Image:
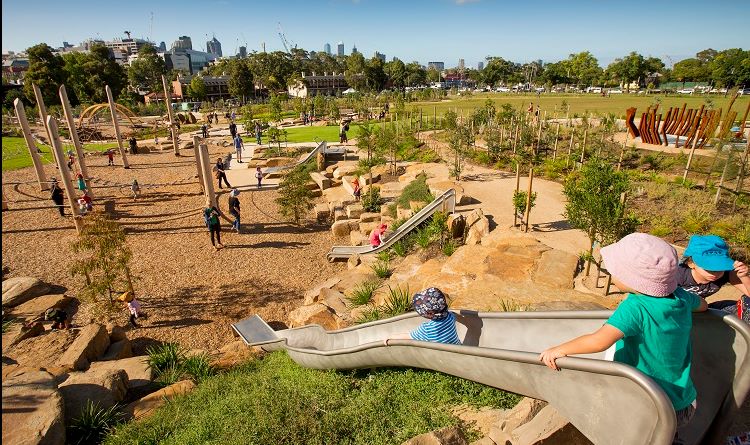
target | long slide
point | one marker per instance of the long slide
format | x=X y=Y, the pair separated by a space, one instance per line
x=609 y=402
x=322 y=147
x=445 y=202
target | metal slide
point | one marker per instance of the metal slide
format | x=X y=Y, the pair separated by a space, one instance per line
x=322 y=147
x=611 y=403
x=445 y=202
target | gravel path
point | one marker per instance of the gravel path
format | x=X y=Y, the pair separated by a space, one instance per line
x=190 y=291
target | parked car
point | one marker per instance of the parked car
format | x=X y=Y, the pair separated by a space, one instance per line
x=615 y=91
x=743 y=91
x=502 y=89
x=595 y=90
x=685 y=91
x=539 y=89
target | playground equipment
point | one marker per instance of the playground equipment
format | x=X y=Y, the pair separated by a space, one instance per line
x=322 y=148
x=610 y=403
x=445 y=202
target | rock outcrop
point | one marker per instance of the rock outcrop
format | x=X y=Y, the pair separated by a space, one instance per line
x=19 y=290
x=33 y=409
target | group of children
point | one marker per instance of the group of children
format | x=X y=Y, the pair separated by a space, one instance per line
x=650 y=329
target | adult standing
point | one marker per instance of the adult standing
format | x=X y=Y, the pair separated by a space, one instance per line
x=211 y=217
x=204 y=131
x=56 y=194
x=133 y=146
x=233 y=129
x=343 y=128
x=220 y=174
x=238 y=146
x=234 y=208
x=234 y=115
x=258 y=132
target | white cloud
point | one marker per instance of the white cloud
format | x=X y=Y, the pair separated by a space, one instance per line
x=463 y=2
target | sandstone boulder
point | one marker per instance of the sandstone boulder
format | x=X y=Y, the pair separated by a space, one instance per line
x=548 y=427
x=341 y=228
x=446 y=436
x=232 y=354
x=90 y=344
x=345 y=169
x=115 y=332
x=404 y=213
x=354 y=211
x=321 y=212
x=33 y=409
x=321 y=181
x=477 y=227
x=370 y=217
x=19 y=290
x=313 y=295
x=105 y=387
x=365 y=179
x=353 y=261
x=367 y=227
x=355 y=237
x=279 y=162
x=456 y=225
x=39 y=305
x=316 y=313
x=522 y=413
x=18 y=333
x=335 y=300
x=118 y=350
x=339 y=214
x=556 y=268
x=147 y=405
x=137 y=369
x=43 y=350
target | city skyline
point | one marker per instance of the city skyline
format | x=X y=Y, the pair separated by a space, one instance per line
x=472 y=29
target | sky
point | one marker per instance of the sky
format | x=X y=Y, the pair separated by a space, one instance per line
x=412 y=30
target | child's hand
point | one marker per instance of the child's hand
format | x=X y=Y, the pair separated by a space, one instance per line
x=741 y=269
x=550 y=355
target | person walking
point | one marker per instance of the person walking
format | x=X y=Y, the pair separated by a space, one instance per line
x=234 y=208
x=258 y=175
x=135 y=189
x=56 y=194
x=211 y=217
x=233 y=129
x=238 y=146
x=343 y=128
x=258 y=132
x=220 y=174
x=81 y=182
x=111 y=156
x=133 y=146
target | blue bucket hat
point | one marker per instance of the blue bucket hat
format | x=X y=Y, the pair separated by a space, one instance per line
x=431 y=303
x=709 y=252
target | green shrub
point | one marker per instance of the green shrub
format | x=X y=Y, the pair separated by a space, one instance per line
x=438 y=225
x=519 y=201
x=423 y=237
x=449 y=247
x=362 y=294
x=697 y=221
x=398 y=223
x=384 y=256
x=511 y=306
x=382 y=269
x=368 y=315
x=7 y=323
x=295 y=199
x=417 y=190
x=165 y=356
x=371 y=201
x=397 y=302
x=391 y=210
x=93 y=424
x=401 y=247
x=198 y=367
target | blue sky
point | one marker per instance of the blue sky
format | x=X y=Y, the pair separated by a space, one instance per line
x=421 y=30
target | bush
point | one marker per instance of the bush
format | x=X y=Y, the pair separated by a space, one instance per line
x=382 y=269
x=164 y=357
x=170 y=364
x=362 y=294
x=417 y=190
x=519 y=201
x=371 y=200
x=368 y=315
x=449 y=247
x=423 y=237
x=401 y=247
x=397 y=302
x=93 y=424
x=198 y=367
x=295 y=199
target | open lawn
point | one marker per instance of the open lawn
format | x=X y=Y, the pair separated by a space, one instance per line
x=580 y=104
x=308 y=134
x=16 y=154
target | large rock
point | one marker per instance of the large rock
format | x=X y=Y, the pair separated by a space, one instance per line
x=316 y=313
x=147 y=405
x=104 y=387
x=477 y=226
x=556 y=268
x=370 y=217
x=39 y=305
x=232 y=354
x=19 y=290
x=320 y=180
x=345 y=169
x=19 y=333
x=322 y=212
x=313 y=295
x=118 y=350
x=438 y=187
x=548 y=427
x=116 y=332
x=43 y=350
x=279 y=162
x=335 y=300
x=137 y=369
x=354 y=211
x=32 y=409
x=522 y=413
x=90 y=344
x=341 y=228
x=447 y=436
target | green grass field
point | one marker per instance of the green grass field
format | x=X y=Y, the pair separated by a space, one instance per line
x=16 y=154
x=309 y=134
x=580 y=104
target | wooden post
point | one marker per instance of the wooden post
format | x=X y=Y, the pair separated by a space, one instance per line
x=538 y=136
x=198 y=165
x=42 y=114
x=528 y=199
x=74 y=134
x=622 y=152
x=172 y=127
x=690 y=158
x=33 y=151
x=115 y=124
x=208 y=185
x=583 y=147
x=723 y=175
x=518 y=186
x=64 y=173
x=434 y=117
x=570 y=148
x=557 y=134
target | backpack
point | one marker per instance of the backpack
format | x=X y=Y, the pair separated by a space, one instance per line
x=346 y=127
x=207 y=217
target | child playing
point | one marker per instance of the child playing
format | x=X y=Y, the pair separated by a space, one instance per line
x=652 y=325
x=706 y=266
x=376 y=237
x=357 y=192
x=81 y=182
x=135 y=188
x=71 y=160
x=258 y=175
x=134 y=307
x=110 y=157
x=58 y=317
x=441 y=326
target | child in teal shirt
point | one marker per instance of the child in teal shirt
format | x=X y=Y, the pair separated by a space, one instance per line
x=652 y=325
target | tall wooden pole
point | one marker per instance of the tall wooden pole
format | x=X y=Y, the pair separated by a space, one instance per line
x=113 y=111
x=172 y=127
x=74 y=134
x=570 y=148
x=208 y=185
x=583 y=148
x=723 y=175
x=528 y=199
x=64 y=173
x=518 y=186
x=42 y=112
x=622 y=152
x=557 y=134
x=690 y=158
x=33 y=151
x=198 y=165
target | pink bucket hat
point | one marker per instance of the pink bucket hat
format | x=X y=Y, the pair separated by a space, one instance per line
x=643 y=262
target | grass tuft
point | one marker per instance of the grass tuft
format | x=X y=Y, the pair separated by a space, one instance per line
x=362 y=294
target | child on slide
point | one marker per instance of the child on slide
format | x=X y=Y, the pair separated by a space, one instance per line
x=441 y=324
x=706 y=266
x=652 y=325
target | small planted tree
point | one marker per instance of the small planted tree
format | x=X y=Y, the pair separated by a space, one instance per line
x=102 y=257
x=295 y=199
x=595 y=203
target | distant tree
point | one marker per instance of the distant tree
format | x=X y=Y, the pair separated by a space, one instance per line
x=583 y=68
x=241 y=80
x=272 y=70
x=295 y=199
x=731 y=67
x=498 y=70
x=629 y=69
x=355 y=71
x=396 y=72
x=690 y=70
x=433 y=75
x=375 y=75
x=47 y=71
x=197 y=88
x=319 y=105
x=415 y=74
x=274 y=106
x=145 y=72
x=88 y=73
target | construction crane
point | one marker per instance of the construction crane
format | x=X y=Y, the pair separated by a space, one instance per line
x=127 y=33
x=284 y=41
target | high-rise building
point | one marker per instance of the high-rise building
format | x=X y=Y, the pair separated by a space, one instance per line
x=242 y=52
x=213 y=46
x=437 y=66
x=162 y=47
x=354 y=49
x=461 y=64
x=327 y=48
x=380 y=56
x=340 y=49
x=480 y=66
x=183 y=42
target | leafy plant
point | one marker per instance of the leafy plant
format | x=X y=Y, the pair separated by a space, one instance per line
x=401 y=247
x=397 y=302
x=368 y=315
x=198 y=367
x=511 y=306
x=519 y=201
x=7 y=323
x=371 y=201
x=449 y=247
x=423 y=237
x=384 y=256
x=164 y=357
x=382 y=269
x=697 y=221
x=93 y=424
x=295 y=199
x=417 y=190
x=362 y=294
